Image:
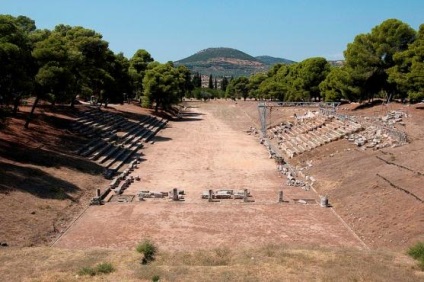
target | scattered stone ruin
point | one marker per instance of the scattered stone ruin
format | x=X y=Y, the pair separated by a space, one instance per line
x=174 y=195
x=380 y=132
x=221 y=194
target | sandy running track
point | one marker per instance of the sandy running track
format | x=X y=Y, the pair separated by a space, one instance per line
x=206 y=151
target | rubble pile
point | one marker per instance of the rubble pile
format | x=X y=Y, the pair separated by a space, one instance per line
x=394 y=117
x=372 y=138
x=252 y=131
x=378 y=137
x=292 y=179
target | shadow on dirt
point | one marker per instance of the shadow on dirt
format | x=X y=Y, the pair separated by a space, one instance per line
x=368 y=105
x=187 y=119
x=38 y=156
x=161 y=139
x=191 y=114
x=34 y=181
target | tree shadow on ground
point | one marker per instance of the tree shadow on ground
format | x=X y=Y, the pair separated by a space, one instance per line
x=191 y=114
x=368 y=105
x=160 y=139
x=133 y=116
x=37 y=156
x=35 y=182
x=187 y=119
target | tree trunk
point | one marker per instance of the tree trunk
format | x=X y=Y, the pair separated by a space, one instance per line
x=32 y=112
x=16 y=105
x=73 y=102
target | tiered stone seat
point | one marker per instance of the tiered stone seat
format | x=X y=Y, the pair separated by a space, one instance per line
x=107 y=148
x=157 y=126
x=89 y=144
x=93 y=148
x=312 y=133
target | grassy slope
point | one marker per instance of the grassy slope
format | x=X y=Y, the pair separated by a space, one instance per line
x=269 y=263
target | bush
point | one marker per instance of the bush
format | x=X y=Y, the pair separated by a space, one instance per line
x=87 y=271
x=105 y=268
x=148 y=249
x=156 y=278
x=102 y=268
x=417 y=252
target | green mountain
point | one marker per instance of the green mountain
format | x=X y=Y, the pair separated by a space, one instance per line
x=226 y=62
x=270 y=61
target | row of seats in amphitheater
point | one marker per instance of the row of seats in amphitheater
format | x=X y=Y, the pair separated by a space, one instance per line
x=114 y=139
x=308 y=133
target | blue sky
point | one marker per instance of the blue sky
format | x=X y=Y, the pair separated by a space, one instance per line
x=174 y=29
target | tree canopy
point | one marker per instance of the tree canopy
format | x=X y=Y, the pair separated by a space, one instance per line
x=67 y=62
x=164 y=85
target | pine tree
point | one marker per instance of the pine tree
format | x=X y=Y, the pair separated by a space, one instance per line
x=210 y=82
x=197 y=80
x=224 y=84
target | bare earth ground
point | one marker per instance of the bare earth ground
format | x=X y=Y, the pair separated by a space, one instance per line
x=44 y=187
x=43 y=184
x=209 y=149
x=382 y=216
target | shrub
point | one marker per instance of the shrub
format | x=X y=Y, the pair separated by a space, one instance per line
x=155 y=278
x=148 y=249
x=417 y=252
x=87 y=271
x=105 y=268
x=101 y=268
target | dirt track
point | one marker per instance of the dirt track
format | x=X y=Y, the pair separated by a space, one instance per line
x=208 y=149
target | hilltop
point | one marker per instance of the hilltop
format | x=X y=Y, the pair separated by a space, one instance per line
x=228 y=62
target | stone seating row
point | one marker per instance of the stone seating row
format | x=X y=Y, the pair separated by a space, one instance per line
x=128 y=150
x=100 y=119
x=106 y=136
x=109 y=150
x=295 y=142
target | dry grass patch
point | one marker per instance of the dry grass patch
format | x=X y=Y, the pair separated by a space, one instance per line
x=266 y=263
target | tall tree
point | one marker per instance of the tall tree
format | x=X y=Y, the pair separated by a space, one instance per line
x=224 y=83
x=161 y=86
x=17 y=65
x=238 y=88
x=197 y=80
x=138 y=66
x=408 y=71
x=185 y=85
x=310 y=73
x=337 y=86
x=210 y=85
x=369 y=56
x=118 y=87
x=271 y=89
